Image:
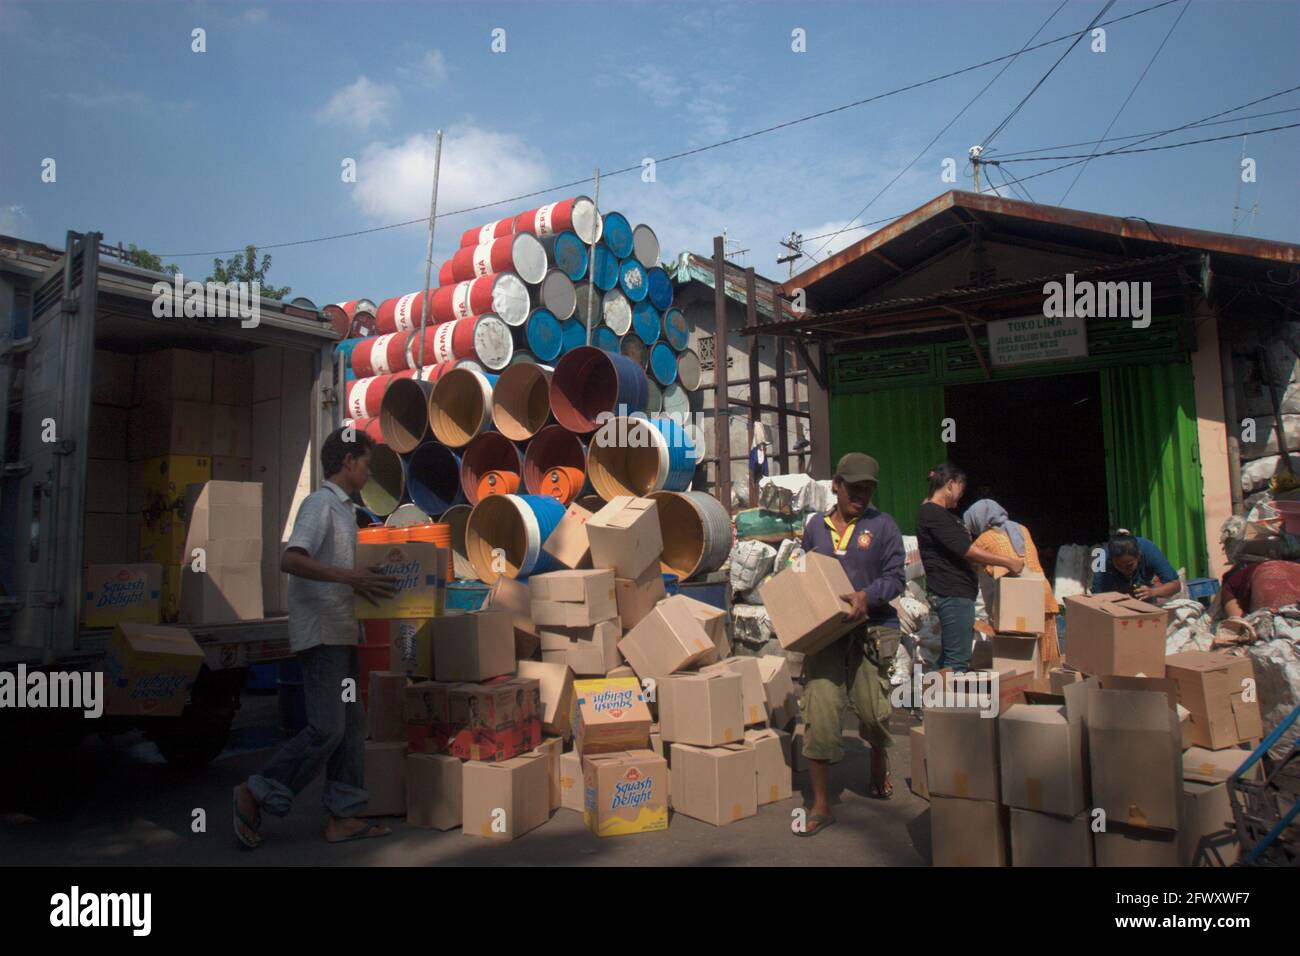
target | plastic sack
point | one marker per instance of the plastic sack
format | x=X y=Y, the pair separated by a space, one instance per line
x=750 y=561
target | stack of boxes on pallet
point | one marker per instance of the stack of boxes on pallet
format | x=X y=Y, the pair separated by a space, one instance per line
x=589 y=689
x=1118 y=758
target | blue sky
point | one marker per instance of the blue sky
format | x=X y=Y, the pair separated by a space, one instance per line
x=183 y=152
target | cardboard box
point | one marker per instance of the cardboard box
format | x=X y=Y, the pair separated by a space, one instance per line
x=491 y=721
x=410 y=645
x=703 y=709
x=961 y=751
x=112 y=379
x=222 y=594
x=1041 y=839
x=553 y=749
x=175 y=375
x=163 y=484
x=1119 y=845
x=1112 y=633
x=574 y=613
x=805 y=606
x=1062 y=677
x=1017 y=653
x=782 y=708
x=583 y=587
x=668 y=639
x=918 y=783
x=1135 y=753
x=636 y=597
x=718 y=785
x=1018 y=606
x=385 y=703
x=117 y=593
x=177 y=428
x=421 y=569
x=772 y=761
x=232 y=434
x=473 y=646
x=625 y=793
x=1212 y=687
x=231 y=469
x=149 y=670
x=106 y=435
x=966 y=832
x=107 y=539
x=385 y=779
x=714 y=621
x=568 y=543
x=515 y=597
x=232 y=378
x=572 y=795
x=753 y=694
x=610 y=715
x=106 y=485
x=556 y=684
x=621 y=671
x=1216 y=766
x=505 y=800
x=1210 y=835
x=433 y=791
x=1044 y=757
x=587 y=651
x=625 y=537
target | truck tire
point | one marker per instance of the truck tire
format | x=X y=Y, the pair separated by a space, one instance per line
x=197 y=737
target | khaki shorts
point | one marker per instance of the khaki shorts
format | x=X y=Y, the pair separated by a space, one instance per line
x=852 y=672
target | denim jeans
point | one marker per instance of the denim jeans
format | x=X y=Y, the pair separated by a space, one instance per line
x=957 y=622
x=335 y=738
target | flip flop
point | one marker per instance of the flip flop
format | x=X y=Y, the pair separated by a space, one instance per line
x=882 y=789
x=256 y=840
x=365 y=833
x=822 y=821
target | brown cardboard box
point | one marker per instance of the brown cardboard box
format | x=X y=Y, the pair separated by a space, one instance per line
x=106 y=486
x=122 y=592
x=657 y=741
x=625 y=793
x=422 y=569
x=609 y=715
x=112 y=379
x=805 y=606
x=587 y=651
x=1216 y=766
x=177 y=428
x=107 y=539
x=714 y=621
x=1112 y=633
x=410 y=645
x=1016 y=653
x=568 y=543
x=772 y=763
x=553 y=749
x=1018 y=604
x=223 y=594
x=516 y=597
x=574 y=613
x=1136 y=757
x=1043 y=755
x=384 y=707
x=1062 y=677
x=556 y=683
x=433 y=791
x=1210 y=837
x=474 y=646
x=668 y=639
x=782 y=708
x=231 y=469
x=490 y=721
x=702 y=709
x=224 y=519
x=594 y=587
x=637 y=597
x=961 y=752
x=718 y=785
x=223 y=511
x=625 y=536
x=107 y=435
x=505 y=800
x=916 y=738
x=1212 y=686
x=174 y=375
x=232 y=434
x=621 y=671
x=967 y=832
x=1041 y=839
x=385 y=778
x=571 y=785
x=752 y=691
x=232 y=378
x=149 y=670
x=1119 y=845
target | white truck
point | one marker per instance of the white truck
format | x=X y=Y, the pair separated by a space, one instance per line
x=59 y=310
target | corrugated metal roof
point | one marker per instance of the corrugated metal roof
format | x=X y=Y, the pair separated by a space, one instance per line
x=690 y=267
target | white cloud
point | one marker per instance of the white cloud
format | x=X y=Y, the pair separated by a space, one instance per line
x=360 y=105
x=832 y=243
x=478 y=166
x=432 y=68
x=12 y=220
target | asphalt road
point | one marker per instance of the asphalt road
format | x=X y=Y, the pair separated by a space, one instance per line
x=115 y=801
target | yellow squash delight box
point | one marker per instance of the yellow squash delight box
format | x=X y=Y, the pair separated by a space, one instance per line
x=421 y=571
x=625 y=793
x=117 y=593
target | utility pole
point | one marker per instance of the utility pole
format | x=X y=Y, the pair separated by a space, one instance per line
x=795 y=244
x=975 y=153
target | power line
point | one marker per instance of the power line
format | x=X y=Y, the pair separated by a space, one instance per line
x=1124 y=105
x=684 y=153
x=1149 y=149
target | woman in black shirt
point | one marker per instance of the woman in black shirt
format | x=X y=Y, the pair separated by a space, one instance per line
x=947 y=555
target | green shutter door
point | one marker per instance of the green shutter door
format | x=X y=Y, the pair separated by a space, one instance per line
x=1153 y=466
x=900 y=428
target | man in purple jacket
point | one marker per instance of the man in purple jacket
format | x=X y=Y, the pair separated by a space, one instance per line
x=853 y=671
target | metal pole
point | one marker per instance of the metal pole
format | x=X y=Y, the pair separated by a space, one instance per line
x=591 y=260
x=428 y=258
x=721 y=408
x=755 y=417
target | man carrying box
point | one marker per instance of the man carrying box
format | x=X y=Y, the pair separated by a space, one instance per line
x=324 y=633
x=854 y=670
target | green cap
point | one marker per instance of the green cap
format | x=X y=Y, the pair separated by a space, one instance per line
x=855 y=467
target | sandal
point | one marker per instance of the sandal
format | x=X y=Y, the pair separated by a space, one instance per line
x=367 y=832
x=242 y=823
x=882 y=788
x=822 y=821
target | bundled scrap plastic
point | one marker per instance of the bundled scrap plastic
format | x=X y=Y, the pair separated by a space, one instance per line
x=1258 y=536
x=795 y=494
x=751 y=562
x=1276 y=655
x=1189 y=627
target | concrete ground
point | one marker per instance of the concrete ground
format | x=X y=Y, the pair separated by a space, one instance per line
x=114 y=801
